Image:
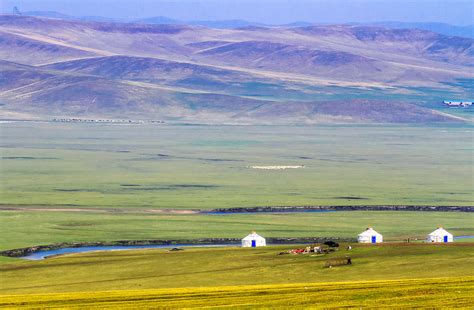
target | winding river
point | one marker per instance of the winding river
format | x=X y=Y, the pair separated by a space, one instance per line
x=49 y=253
x=71 y=250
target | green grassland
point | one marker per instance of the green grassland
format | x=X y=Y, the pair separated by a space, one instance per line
x=211 y=267
x=183 y=167
x=29 y=228
x=114 y=179
x=426 y=293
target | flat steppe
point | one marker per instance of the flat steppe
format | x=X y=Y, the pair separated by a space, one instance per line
x=136 y=167
x=97 y=182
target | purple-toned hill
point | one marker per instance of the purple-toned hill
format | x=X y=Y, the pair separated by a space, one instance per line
x=53 y=67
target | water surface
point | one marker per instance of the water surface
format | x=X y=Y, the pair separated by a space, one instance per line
x=48 y=253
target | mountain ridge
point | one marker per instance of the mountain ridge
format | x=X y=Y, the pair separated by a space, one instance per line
x=441 y=28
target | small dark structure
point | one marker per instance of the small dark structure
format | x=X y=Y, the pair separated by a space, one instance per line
x=175 y=249
x=16 y=11
x=331 y=244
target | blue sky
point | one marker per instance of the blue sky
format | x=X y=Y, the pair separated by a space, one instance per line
x=457 y=12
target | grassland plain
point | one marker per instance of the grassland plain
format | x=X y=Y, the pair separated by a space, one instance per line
x=420 y=293
x=124 y=175
x=29 y=228
x=183 y=167
x=211 y=267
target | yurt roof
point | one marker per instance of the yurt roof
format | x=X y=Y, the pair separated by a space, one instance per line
x=253 y=235
x=440 y=231
x=369 y=232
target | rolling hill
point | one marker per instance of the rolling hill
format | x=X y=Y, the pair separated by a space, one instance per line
x=255 y=74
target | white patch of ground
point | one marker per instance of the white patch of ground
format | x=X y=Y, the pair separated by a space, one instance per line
x=276 y=167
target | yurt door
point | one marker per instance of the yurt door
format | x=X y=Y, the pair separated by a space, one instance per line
x=445 y=238
x=254 y=243
x=374 y=239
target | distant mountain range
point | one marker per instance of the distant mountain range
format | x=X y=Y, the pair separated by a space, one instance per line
x=59 y=67
x=446 y=29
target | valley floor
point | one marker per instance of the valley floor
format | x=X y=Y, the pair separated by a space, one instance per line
x=75 y=166
x=103 y=180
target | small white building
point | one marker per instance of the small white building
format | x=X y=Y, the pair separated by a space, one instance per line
x=253 y=240
x=458 y=103
x=370 y=236
x=440 y=235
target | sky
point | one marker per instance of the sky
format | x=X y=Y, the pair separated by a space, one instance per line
x=456 y=12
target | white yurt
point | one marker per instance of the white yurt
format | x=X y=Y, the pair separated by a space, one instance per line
x=253 y=240
x=440 y=235
x=369 y=236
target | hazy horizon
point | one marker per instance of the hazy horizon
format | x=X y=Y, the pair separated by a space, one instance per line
x=455 y=12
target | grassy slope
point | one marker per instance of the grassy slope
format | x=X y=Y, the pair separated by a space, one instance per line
x=146 y=269
x=88 y=165
x=21 y=229
x=426 y=293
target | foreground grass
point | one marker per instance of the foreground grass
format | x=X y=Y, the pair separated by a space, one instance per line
x=29 y=228
x=419 y=293
x=163 y=166
x=211 y=267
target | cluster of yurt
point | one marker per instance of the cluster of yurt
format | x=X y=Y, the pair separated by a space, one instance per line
x=371 y=236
